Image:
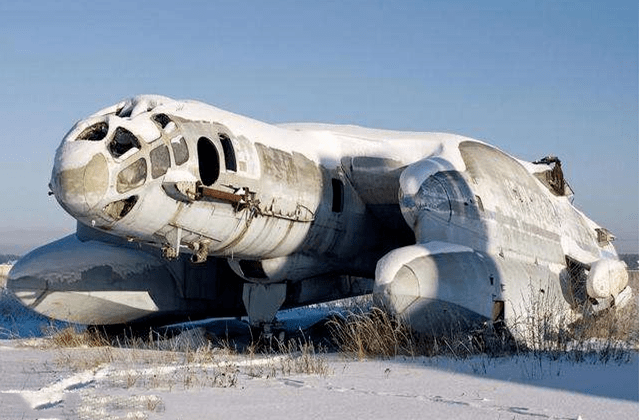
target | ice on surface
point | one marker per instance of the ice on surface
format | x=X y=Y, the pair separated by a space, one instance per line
x=54 y=260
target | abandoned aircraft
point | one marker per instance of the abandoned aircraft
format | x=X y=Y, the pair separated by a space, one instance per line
x=186 y=211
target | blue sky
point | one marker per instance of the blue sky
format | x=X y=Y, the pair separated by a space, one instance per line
x=532 y=77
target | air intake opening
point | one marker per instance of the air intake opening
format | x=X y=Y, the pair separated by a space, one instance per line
x=208 y=161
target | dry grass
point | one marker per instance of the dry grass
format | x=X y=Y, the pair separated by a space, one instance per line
x=192 y=359
x=187 y=360
x=374 y=333
x=301 y=357
x=611 y=332
x=610 y=335
x=72 y=337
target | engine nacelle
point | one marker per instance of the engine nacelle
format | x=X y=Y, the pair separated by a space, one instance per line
x=438 y=286
x=607 y=278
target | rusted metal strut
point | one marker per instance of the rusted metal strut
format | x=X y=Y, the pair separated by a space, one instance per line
x=220 y=195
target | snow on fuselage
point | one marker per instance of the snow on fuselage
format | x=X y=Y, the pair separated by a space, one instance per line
x=298 y=201
x=291 y=178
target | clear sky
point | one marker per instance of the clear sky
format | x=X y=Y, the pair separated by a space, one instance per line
x=532 y=77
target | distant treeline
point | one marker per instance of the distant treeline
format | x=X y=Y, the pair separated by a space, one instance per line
x=5 y=258
x=631 y=260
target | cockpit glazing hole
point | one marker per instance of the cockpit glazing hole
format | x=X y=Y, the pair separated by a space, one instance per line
x=180 y=150
x=124 y=112
x=119 y=209
x=162 y=119
x=160 y=161
x=132 y=176
x=96 y=132
x=123 y=141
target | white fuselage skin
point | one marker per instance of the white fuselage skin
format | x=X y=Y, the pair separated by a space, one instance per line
x=288 y=170
x=309 y=199
x=288 y=199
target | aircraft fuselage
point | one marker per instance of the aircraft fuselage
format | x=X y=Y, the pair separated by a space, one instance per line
x=448 y=226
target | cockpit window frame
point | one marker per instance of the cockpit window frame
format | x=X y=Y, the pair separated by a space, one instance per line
x=230 y=163
x=160 y=161
x=180 y=150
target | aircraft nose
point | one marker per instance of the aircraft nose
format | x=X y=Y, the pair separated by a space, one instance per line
x=80 y=187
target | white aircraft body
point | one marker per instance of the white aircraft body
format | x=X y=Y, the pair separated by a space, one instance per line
x=186 y=211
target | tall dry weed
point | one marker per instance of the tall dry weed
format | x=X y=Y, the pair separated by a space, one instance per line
x=74 y=337
x=372 y=334
x=544 y=329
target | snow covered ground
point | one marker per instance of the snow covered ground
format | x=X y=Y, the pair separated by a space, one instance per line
x=43 y=382
x=39 y=381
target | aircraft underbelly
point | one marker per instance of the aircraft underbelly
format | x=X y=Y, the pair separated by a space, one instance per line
x=98 y=308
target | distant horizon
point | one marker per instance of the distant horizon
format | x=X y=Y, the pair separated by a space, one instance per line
x=21 y=241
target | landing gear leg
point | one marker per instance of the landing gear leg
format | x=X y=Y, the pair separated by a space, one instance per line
x=272 y=330
x=262 y=301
